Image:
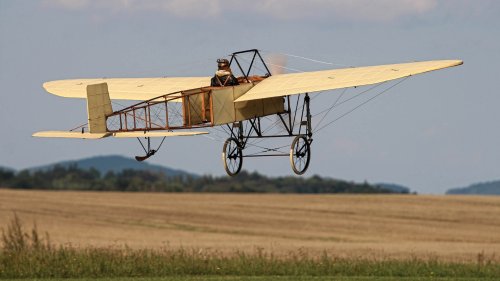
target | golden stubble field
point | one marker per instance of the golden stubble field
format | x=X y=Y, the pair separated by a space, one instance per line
x=458 y=228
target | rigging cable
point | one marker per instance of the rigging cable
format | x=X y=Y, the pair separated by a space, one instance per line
x=308 y=59
x=330 y=109
x=353 y=97
x=363 y=103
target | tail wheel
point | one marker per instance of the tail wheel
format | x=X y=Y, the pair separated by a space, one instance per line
x=300 y=154
x=232 y=156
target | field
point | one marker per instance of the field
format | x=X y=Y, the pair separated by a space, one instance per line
x=377 y=227
x=271 y=278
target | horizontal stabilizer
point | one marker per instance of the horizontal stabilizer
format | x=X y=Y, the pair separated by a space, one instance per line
x=155 y=134
x=87 y=135
x=70 y=135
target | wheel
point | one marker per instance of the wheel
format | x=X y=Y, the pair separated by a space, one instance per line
x=232 y=156
x=300 y=154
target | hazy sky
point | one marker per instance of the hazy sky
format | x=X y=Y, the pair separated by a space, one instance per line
x=430 y=133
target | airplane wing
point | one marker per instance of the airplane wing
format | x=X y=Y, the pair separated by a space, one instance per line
x=87 y=135
x=70 y=135
x=308 y=82
x=127 y=88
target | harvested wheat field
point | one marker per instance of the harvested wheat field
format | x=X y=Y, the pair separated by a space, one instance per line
x=451 y=228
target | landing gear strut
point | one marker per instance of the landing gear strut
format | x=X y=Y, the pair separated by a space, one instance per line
x=300 y=149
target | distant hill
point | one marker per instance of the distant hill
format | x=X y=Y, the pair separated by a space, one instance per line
x=485 y=188
x=394 y=187
x=116 y=164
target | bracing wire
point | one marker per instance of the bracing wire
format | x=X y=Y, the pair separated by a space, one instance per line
x=361 y=104
x=308 y=59
x=353 y=97
x=330 y=109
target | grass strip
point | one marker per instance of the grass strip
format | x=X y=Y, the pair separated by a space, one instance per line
x=27 y=255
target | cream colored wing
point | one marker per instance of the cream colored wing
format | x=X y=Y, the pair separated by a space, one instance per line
x=87 y=135
x=308 y=82
x=127 y=88
x=70 y=135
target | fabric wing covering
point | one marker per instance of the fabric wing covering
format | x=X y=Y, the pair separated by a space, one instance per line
x=138 y=134
x=127 y=88
x=308 y=82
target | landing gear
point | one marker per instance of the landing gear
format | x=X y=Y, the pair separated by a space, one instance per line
x=232 y=156
x=300 y=154
x=296 y=127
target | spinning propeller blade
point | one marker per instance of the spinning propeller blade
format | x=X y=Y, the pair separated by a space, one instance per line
x=277 y=64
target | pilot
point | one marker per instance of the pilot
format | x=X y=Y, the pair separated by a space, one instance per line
x=224 y=76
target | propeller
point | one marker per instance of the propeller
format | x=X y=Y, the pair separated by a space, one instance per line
x=277 y=64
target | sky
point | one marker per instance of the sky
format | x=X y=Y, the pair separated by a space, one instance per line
x=432 y=132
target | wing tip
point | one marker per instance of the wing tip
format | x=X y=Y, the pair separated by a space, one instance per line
x=69 y=135
x=455 y=62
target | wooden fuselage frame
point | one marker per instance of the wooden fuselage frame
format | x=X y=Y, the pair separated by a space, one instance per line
x=201 y=107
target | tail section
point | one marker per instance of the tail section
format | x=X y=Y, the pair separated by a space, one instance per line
x=98 y=107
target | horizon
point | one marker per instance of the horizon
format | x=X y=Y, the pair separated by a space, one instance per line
x=411 y=190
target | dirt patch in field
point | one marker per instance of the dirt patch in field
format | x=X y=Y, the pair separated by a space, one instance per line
x=458 y=228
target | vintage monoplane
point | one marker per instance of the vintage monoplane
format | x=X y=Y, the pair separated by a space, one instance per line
x=172 y=106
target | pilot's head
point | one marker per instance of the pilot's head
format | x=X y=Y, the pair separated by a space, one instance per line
x=223 y=64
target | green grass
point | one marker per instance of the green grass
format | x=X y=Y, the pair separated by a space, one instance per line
x=267 y=278
x=26 y=255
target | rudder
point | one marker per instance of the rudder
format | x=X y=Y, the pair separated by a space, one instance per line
x=98 y=107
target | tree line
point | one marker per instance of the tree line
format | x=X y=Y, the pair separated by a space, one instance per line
x=72 y=177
